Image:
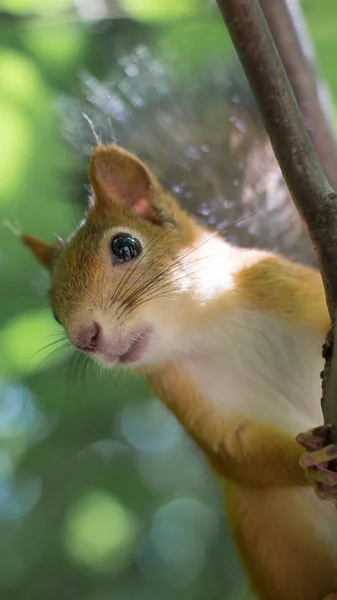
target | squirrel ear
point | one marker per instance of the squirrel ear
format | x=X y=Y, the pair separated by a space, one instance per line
x=45 y=253
x=119 y=177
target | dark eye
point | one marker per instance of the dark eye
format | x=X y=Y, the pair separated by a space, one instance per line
x=124 y=247
x=56 y=319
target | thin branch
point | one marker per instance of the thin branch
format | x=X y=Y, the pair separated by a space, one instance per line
x=329 y=379
x=289 y=31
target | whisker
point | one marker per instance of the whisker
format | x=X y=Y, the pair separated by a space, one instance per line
x=151 y=281
x=78 y=364
x=156 y=241
x=147 y=299
x=53 y=354
x=48 y=346
x=179 y=260
x=55 y=333
x=71 y=362
x=144 y=285
x=102 y=284
x=126 y=276
x=73 y=373
x=85 y=369
x=168 y=272
x=131 y=270
x=76 y=368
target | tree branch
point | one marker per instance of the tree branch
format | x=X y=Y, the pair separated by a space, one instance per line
x=329 y=379
x=312 y=194
x=288 y=29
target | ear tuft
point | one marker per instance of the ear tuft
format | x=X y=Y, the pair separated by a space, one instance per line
x=118 y=177
x=45 y=253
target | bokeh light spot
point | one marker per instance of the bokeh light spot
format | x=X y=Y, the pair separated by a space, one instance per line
x=36 y=6
x=152 y=10
x=22 y=342
x=100 y=532
x=148 y=426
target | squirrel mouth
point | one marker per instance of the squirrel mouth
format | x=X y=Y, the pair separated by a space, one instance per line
x=136 y=348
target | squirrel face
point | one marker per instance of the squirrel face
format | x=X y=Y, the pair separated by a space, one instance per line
x=117 y=283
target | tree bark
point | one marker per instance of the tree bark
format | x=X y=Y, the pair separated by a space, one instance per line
x=288 y=29
x=308 y=185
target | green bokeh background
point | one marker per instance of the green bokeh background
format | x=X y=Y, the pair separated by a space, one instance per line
x=101 y=494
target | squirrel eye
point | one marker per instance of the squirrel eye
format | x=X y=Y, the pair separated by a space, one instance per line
x=125 y=247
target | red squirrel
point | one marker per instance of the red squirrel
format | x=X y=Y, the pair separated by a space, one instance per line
x=230 y=340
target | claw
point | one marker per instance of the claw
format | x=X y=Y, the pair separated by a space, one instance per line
x=317 y=458
x=320 y=462
x=322 y=475
x=316 y=438
x=326 y=492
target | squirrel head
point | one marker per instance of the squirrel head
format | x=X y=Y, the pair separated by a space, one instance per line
x=117 y=283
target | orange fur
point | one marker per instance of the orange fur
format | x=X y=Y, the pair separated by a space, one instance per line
x=239 y=449
x=290 y=291
x=45 y=253
x=284 y=558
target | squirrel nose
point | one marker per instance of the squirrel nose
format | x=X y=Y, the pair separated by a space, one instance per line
x=87 y=338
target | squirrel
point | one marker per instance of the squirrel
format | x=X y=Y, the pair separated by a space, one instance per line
x=230 y=340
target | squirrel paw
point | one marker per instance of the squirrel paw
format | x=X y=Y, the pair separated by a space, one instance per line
x=320 y=462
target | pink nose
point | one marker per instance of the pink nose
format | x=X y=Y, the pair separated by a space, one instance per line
x=88 y=337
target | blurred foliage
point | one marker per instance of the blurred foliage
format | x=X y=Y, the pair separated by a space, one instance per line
x=101 y=493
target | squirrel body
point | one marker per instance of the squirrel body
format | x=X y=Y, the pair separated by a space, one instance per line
x=230 y=340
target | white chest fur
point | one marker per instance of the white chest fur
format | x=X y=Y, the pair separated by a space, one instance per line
x=255 y=365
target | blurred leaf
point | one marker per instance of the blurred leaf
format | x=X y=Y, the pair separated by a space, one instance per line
x=19 y=87
x=321 y=19
x=42 y=7
x=16 y=135
x=152 y=10
x=23 y=341
x=197 y=40
x=99 y=532
x=19 y=79
x=56 y=47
